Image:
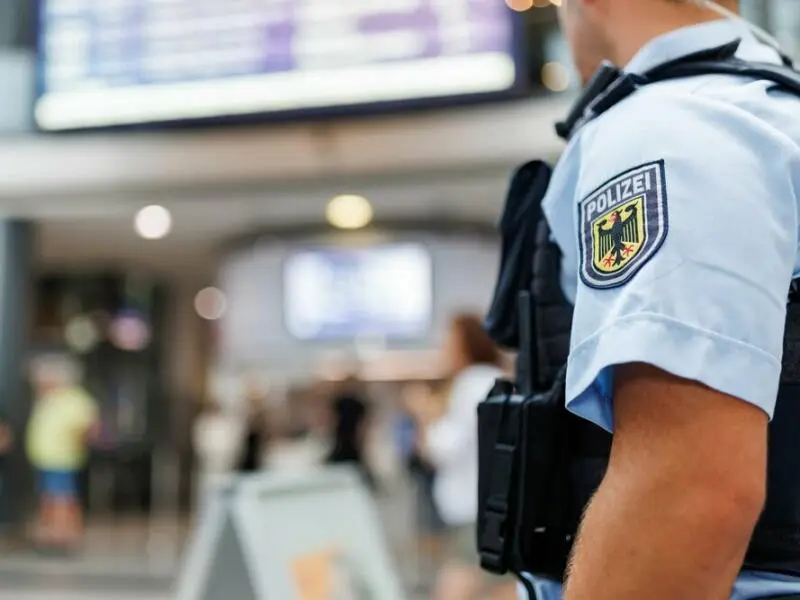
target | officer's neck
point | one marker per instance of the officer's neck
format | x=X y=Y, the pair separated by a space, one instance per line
x=629 y=32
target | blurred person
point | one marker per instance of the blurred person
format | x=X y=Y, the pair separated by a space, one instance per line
x=448 y=439
x=299 y=438
x=6 y=445
x=216 y=437
x=349 y=428
x=255 y=438
x=431 y=528
x=63 y=422
x=423 y=474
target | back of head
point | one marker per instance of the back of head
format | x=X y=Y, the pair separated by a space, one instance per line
x=476 y=346
x=615 y=30
x=55 y=371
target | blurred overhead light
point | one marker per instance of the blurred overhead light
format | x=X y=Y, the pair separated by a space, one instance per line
x=153 y=222
x=523 y=5
x=210 y=303
x=349 y=212
x=129 y=331
x=519 y=5
x=82 y=334
x=555 y=76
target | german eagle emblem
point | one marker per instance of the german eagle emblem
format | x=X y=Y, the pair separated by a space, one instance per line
x=617 y=238
x=623 y=223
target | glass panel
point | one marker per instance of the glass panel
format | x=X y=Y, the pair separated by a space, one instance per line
x=785 y=17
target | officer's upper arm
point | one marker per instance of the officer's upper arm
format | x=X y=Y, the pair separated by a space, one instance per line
x=687 y=235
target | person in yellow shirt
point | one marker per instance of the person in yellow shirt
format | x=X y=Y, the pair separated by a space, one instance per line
x=63 y=420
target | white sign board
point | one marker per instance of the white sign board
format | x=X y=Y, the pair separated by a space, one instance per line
x=314 y=535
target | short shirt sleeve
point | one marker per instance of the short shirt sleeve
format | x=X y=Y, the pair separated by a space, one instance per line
x=83 y=409
x=687 y=234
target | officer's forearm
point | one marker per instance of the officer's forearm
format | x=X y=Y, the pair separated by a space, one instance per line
x=684 y=489
x=654 y=540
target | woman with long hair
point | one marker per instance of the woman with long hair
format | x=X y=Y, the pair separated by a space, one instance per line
x=449 y=440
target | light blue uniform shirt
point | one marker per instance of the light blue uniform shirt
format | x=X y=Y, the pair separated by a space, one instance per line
x=684 y=199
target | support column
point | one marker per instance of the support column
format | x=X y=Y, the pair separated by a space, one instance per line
x=16 y=287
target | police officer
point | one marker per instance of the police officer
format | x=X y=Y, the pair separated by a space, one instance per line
x=676 y=212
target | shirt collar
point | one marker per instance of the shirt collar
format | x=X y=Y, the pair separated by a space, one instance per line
x=695 y=38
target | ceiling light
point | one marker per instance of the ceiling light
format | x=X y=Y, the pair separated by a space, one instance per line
x=153 y=222
x=555 y=77
x=210 y=303
x=519 y=5
x=82 y=334
x=523 y=5
x=349 y=212
x=129 y=331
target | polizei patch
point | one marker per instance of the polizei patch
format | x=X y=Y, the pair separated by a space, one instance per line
x=623 y=224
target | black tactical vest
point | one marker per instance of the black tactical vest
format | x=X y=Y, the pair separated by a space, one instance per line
x=775 y=545
x=539 y=464
x=776 y=542
x=553 y=313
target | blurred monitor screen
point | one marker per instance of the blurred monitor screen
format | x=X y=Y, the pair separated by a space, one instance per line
x=384 y=291
x=108 y=63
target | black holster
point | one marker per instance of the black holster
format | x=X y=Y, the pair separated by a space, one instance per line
x=539 y=466
x=517 y=475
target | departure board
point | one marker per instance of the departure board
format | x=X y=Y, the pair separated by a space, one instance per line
x=384 y=291
x=117 y=62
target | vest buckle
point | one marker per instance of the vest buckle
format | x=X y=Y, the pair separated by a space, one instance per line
x=492 y=544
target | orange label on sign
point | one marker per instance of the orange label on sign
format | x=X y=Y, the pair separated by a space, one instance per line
x=314 y=575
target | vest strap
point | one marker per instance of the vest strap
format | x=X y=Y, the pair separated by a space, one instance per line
x=610 y=85
x=790 y=373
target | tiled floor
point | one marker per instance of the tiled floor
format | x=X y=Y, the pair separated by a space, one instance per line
x=24 y=578
x=133 y=560
x=120 y=561
x=20 y=581
x=80 y=595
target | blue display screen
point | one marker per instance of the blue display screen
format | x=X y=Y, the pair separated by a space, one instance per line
x=383 y=291
x=121 y=62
